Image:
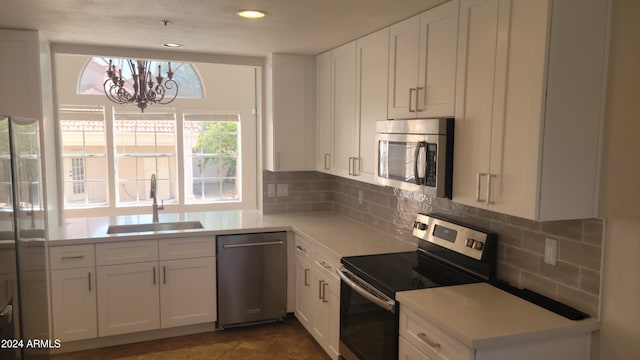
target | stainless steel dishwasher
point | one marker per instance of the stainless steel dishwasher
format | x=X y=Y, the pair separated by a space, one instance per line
x=252 y=278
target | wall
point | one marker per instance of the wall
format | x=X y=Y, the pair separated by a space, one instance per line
x=575 y=280
x=620 y=193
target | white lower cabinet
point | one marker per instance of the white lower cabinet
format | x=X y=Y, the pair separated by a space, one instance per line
x=317 y=294
x=128 y=298
x=422 y=339
x=407 y=351
x=132 y=286
x=428 y=339
x=73 y=294
x=188 y=291
x=304 y=292
x=326 y=312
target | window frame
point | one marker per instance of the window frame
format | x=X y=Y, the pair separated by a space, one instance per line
x=250 y=78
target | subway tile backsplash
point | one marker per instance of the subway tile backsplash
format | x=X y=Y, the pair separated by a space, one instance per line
x=574 y=280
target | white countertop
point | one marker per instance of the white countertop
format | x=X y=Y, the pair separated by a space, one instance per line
x=340 y=235
x=481 y=315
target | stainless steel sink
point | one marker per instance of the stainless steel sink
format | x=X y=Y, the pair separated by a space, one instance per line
x=161 y=226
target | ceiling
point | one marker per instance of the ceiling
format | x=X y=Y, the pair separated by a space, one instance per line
x=208 y=26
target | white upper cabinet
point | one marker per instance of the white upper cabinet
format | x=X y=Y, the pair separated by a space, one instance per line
x=21 y=69
x=529 y=94
x=371 y=92
x=289 y=142
x=350 y=100
x=323 y=112
x=343 y=100
x=422 y=64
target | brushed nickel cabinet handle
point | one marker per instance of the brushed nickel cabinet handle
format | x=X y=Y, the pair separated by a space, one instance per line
x=324 y=292
x=428 y=341
x=306 y=277
x=89 y=276
x=79 y=257
x=417 y=97
x=356 y=166
x=320 y=289
x=411 y=97
x=154 y=275
x=478 y=180
x=326 y=158
x=164 y=274
x=489 y=177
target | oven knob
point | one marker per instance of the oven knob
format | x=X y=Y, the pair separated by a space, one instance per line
x=470 y=242
x=420 y=226
x=478 y=245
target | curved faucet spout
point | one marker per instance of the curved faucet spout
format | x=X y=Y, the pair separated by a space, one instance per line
x=154 y=195
x=152 y=192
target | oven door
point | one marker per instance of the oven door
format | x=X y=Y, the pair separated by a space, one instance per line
x=368 y=321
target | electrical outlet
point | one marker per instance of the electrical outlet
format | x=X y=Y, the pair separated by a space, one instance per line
x=360 y=197
x=282 y=190
x=271 y=190
x=550 y=251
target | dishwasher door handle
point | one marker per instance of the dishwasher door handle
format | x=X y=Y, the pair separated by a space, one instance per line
x=265 y=243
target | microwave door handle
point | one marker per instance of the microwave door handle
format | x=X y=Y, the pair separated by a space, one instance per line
x=416 y=173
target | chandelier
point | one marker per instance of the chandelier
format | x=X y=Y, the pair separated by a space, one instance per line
x=145 y=90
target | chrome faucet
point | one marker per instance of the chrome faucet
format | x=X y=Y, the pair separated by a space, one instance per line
x=153 y=194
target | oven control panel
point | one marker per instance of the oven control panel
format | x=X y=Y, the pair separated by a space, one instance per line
x=455 y=237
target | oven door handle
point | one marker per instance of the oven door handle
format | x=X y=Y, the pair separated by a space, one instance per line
x=379 y=299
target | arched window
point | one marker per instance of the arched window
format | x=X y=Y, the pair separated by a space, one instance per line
x=94 y=75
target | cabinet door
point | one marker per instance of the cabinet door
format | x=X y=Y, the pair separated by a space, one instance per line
x=321 y=320
x=187 y=291
x=323 y=112
x=288 y=112
x=326 y=312
x=343 y=61
x=128 y=298
x=475 y=90
x=20 y=54
x=437 y=63
x=331 y=298
x=372 y=79
x=303 y=292
x=404 y=39
x=73 y=302
x=516 y=133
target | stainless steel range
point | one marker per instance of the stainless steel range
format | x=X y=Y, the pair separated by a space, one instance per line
x=449 y=253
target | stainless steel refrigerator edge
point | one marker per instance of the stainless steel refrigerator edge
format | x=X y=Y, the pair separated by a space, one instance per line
x=252 y=277
x=22 y=229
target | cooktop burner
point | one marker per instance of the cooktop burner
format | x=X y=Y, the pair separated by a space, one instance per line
x=394 y=272
x=449 y=253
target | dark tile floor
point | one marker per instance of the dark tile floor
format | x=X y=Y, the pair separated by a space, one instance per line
x=284 y=340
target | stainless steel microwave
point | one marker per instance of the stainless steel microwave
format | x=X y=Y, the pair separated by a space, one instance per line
x=416 y=155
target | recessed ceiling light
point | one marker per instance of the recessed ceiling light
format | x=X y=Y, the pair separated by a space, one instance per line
x=251 y=14
x=172 y=45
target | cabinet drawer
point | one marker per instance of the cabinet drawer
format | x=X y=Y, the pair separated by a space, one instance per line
x=184 y=248
x=429 y=339
x=326 y=261
x=126 y=252
x=303 y=246
x=407 y=351
x=71 y=257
